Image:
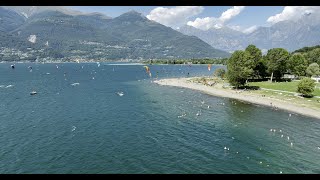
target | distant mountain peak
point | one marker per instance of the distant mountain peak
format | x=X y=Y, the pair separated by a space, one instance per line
x=132 y=15
x=97 y=14
x=133 y=12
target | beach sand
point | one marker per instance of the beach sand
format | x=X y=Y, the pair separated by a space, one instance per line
x=241 y=95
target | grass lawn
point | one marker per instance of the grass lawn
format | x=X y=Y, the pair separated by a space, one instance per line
x=283 y=86
x=287 y=96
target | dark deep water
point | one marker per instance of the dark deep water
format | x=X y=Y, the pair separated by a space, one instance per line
x=88 y=128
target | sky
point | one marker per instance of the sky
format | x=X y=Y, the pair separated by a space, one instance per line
x=241 y=18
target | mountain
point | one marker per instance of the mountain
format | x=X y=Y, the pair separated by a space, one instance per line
x=53 y=32
x=223 y=38
x=290 y=35
x=28 y=11
x=10 y=20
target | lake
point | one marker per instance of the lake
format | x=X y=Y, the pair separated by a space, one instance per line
x=88 y=128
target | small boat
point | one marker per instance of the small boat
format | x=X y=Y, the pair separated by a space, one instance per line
x=33 y=93
x=74 y=84
x=120 y=93
x=12 y=66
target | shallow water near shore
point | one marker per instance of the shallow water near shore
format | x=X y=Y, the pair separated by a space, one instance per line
x=89 y=128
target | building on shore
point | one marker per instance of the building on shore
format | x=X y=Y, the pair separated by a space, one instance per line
x=316 y=78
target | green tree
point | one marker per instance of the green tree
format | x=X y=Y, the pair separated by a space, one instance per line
x=297 y=65
x=261 y=68
x=240 y=68
x=313 y=70
x=219 y=73
x=276 y=62
x=255 y=56
x=306 y=87
x=313 y=56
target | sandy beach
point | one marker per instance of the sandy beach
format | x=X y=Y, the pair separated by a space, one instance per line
x=241 y=95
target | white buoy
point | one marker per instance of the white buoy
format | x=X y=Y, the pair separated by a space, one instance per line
x=280 y=172
x=291 y=144
x=288 y=138
x=225 y=148
x=280 y=130
x=271 y=130
x=282 y=136
x=33 y=93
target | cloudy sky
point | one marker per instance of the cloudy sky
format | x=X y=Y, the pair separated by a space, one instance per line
x=242 y=18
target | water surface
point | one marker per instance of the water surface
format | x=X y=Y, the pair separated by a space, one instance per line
x=88 y=128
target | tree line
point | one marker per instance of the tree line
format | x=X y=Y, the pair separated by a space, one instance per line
x=222 y=61
x=248 y=64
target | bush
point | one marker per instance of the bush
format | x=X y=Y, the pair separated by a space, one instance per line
x=313 y=69
x=306 y=87
x=219 y=73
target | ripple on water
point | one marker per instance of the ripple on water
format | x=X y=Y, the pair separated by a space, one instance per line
x=141 y=132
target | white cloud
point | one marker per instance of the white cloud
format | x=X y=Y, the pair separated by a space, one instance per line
x=230 y=13
x=213 y=22
x=206 y=23
x=174 y=17
x=294 y=13
x=250 y=29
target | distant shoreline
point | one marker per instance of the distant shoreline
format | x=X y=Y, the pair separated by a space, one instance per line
x=243 y=96
x=106 y=62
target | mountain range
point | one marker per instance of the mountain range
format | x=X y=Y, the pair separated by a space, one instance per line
x=291 y=35
x=55 y=32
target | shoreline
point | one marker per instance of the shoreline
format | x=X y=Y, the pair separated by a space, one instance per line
x=243 y=96
x=84 y=62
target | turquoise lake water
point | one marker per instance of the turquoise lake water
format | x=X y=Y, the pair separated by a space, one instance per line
x=89 y=128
